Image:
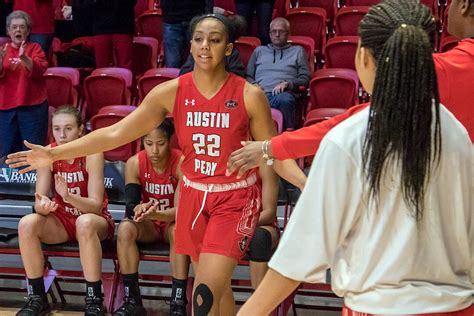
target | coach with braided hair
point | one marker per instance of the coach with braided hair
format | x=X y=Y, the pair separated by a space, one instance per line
x=388 y=202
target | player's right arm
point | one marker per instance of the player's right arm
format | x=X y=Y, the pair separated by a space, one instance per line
x=147 y=116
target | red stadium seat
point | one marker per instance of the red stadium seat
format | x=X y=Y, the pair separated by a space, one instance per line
x=117 y=109
x=330 y=6
x=348 y=19
x=278 y=120
x=145 y=54
x=351 y=3
x=246 y=45
x=62 y=85
x=340 y=52
x=154 y=77
x=334 y=88
x=107 y=86
x=150 y=24
x=309 y=22
x=308 y=44
x=103 y=119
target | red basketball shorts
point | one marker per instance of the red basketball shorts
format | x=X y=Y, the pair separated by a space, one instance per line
x=218 y=218
x=469 y=311
x=69 y=223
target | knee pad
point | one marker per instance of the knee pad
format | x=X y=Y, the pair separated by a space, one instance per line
x=260 y=249
x=203 y=291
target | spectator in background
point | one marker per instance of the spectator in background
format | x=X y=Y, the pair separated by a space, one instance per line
x=263 y=10
x=176 y=37
x=42 y=17
x=233 y=63
x=6 y=7
x=279 y=69
x=82 y=18
x=113 y=29
x=23 y=104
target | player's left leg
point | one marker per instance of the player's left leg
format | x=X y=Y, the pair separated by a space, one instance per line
x=91 y=229
x=264 y=240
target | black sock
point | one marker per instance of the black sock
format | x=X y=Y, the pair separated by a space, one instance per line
x=131 y=287
x=36 y=287
x=178 y=291
x=94 y=289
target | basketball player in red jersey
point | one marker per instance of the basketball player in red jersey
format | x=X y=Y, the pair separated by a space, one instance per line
x=77 y=211
x=151 y=178
x=213 y=111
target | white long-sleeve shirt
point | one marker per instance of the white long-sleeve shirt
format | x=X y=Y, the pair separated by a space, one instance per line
x=381 y=261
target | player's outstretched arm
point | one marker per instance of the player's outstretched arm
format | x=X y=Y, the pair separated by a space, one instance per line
x=274 y=288
x=147 y=116
x=263 y=128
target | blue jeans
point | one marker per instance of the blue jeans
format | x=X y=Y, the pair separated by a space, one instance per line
x=176 y=43
x=44 y=40
x=23 y=123
x=264 y=12
x=286 y=103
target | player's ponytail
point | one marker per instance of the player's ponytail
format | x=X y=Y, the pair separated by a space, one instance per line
x=404 y=125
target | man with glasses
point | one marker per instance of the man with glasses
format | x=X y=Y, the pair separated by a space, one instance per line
x=279 y=69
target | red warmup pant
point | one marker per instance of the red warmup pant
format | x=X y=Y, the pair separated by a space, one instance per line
x=469 y=311
x=113 y=46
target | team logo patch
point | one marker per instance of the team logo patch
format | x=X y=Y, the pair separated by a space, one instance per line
x=231 y=104
x=243 y=243
x=189 y=102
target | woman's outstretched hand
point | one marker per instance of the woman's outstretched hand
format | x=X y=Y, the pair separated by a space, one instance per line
x=248 y=157
x=35 y=158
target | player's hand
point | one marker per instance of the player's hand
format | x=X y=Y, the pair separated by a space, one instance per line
x=60 y=186
x=279 y=88
x=35 y=158
x=3 y=51
x=21 y=51
x=143 y=210
x=248 y=157
x=45 y=206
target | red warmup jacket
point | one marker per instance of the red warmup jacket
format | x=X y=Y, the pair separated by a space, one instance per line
x=455 y=71
x=18 y=86
x=41 y=12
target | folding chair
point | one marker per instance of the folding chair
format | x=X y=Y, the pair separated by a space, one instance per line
x=340 y=52
x=309 y=22
x=107 y=86
x=62 y=85
x=308 y=44
x=154 y=77
x=348 y=19
x=145 y=54
x=107 y=118
x=246 y=45
x=333 y=88
x=330 y=6
x=150 y=24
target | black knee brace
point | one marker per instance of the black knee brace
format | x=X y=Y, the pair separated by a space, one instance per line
x=260 y=249
x=203 y=291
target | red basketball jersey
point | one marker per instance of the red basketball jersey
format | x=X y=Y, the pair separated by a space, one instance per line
x=159 y=187
x=209 y=130
x=76 y=177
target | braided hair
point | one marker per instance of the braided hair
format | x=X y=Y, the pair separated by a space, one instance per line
x=403 y=130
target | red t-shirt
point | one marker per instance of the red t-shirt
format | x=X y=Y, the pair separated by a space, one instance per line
x=18 y=86
x=208 y=131
x=158 y=187
x=455 y=70
x=41 y=12
x=77 y=179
